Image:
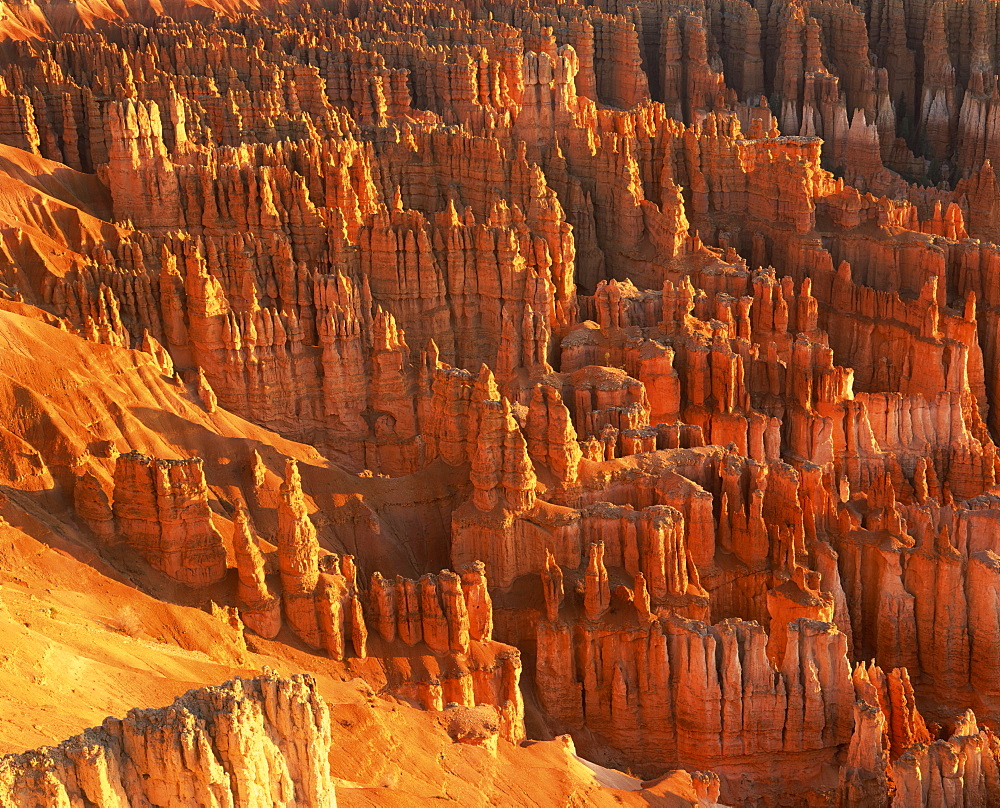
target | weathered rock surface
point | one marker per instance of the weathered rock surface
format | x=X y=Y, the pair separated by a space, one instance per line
x=161 y=509
x=656 y=346
x=263 y=741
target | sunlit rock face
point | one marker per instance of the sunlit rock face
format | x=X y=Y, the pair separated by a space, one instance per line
x=624 y=374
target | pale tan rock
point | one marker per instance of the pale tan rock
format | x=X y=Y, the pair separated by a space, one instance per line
x=247 y=742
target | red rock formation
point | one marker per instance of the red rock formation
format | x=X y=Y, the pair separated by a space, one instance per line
x=260 y=608
x=797 y=598
x=551 y=438
x=694 y=311
x=298 y=558
x=93 y=506
x=892 y=755
x=451 y=616
x=662 y=693
x=161 y=510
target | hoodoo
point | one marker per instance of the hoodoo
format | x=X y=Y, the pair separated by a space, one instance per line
x=418 y=394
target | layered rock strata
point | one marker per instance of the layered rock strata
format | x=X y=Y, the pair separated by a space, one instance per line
x=672 y=330
x=247 y=742
x=160 y=509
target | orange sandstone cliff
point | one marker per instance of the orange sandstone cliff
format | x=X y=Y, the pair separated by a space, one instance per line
x=420 y=394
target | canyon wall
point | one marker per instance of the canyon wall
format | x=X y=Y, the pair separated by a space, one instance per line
x=670 y=330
